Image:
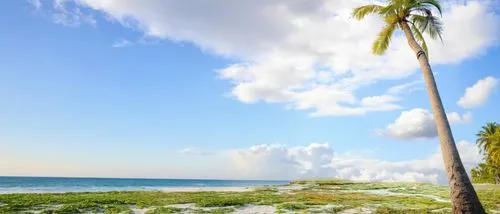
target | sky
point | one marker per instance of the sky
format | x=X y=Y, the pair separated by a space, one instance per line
x=263 y=89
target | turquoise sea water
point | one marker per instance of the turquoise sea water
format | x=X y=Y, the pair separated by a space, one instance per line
x=52 y=184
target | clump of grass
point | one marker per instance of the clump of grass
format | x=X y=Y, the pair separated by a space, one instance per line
x=222 y=210
x=388 y=210
x=490 y=198
x=164 y=210
x=112 y=209
x=266 y=190
x=426 y=189
x=328 y=209
x=79 y=208
x=292 y=206
x=222 y=201
x=323 y=182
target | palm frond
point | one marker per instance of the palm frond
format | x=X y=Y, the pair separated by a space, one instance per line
x=384 y=39
x=433 y=3
x=488 y=140
x=360 y=12
x=420 y=38
x=494 y=149
x=428 y=24
x=389 y=19
x=392 y=8
x=435 y=28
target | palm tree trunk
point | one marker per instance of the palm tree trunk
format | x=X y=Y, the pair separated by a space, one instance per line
x=463 y=195
x=497 y=175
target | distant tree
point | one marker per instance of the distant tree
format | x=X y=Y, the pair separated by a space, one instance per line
x=485 y=137
x=415 y=18
x=488 y=141
x=483 y=173
x=494 y=148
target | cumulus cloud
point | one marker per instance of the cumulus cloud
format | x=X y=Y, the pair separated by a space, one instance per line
x=282 y=162
x=306 y=55
x=478 y=94
x=455 y=118
x=429 y=169
x=413 y=124
x=319 y=160
x=419 y=124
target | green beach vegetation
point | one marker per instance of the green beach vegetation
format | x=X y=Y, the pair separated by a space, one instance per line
x=305 y=196
x=488 y=141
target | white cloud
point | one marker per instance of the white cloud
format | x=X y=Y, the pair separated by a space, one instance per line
x=407 y=88
x=306 y=55
x=413 y=124
x=70 y=13
x=380 y=103
x=455 y=118
x=319 y=160
x=282 y=162
x=122 y=43
x=37 y=4
x=419 y=124
x=478 y=94
x=193 y=151
x=256 y=162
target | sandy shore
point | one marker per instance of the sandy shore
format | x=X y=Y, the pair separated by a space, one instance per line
x=206 y=189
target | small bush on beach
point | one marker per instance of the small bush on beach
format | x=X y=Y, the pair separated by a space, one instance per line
x=221 y=202
x=292 y=206
x=115 y=209
x=387 y=210
x=79 y=207
x=223 y=210
x=164 y=210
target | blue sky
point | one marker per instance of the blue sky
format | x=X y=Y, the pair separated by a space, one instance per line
x=159 y=89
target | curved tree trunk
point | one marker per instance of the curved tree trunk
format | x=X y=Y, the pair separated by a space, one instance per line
x=463 y=195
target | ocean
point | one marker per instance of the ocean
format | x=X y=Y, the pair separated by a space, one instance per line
x=56 y=185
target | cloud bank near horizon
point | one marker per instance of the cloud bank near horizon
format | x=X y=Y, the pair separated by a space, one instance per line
x=266 y=161
x=320 y=161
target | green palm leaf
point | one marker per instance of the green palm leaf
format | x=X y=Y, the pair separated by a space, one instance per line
x=397 y=12
x=487 y=137
x=429 y=24
x=360 y=12
x=420 y=38
x=383 y=39
x=433 y=3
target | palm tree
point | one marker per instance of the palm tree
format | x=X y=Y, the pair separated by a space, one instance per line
x=494 y=149
x=488 y=140
x=486 y=136
x=494 y=155
x=414 y=18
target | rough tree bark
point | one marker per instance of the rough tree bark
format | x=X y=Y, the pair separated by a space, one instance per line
x=463 y=196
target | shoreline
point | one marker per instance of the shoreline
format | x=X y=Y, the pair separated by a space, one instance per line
x=159 y=189
x=208 y=189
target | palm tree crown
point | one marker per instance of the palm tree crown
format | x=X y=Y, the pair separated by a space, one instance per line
x=417 y=13
x=494 y=149
x=488 y=140
x=486 y=136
